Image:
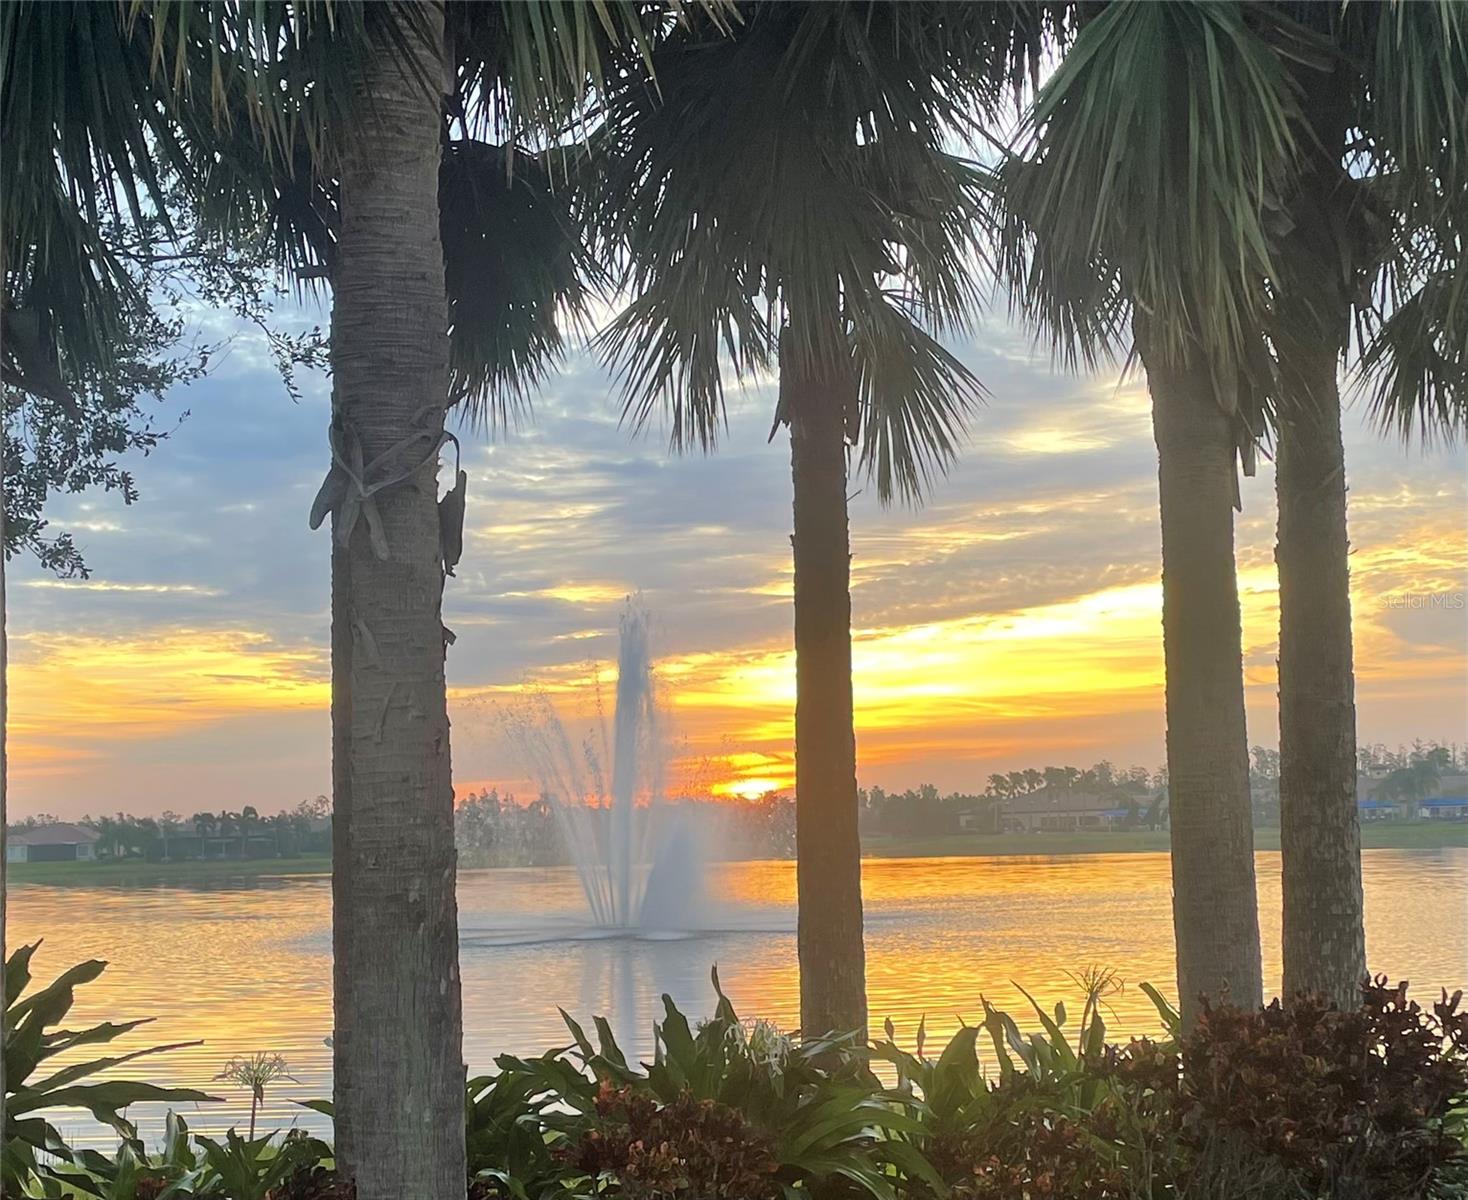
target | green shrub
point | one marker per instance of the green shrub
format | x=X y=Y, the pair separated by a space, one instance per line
x=687 y=1149
x=1300 y=1101
x=814 y=1107
x=1303 y=1102
x=33 y=1147
x=1362 y=1103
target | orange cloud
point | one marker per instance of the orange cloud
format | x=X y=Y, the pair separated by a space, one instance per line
x=71 y=694
x=979 y=688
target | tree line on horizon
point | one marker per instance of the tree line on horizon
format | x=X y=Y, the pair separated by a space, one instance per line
x=494 y=830
x=1238 y=197
x=229 y=833
x=1419 y=767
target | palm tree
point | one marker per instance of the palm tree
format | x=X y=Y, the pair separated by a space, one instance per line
x=395 y=926
x=1381 y=183
x=782 y=197
x=249 y=819
x=169 y=824
x=228 y=826
x=439 y=220
x=399 y=1096
x=1140 y=207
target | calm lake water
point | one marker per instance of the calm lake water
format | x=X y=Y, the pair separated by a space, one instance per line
x=248 y=967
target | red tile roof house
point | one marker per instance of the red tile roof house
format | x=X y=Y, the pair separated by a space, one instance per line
x=51 y=843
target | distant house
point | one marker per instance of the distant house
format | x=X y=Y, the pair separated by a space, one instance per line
x=1450 y=803
x=1382 y=810
x=977 y=820
x=51 y=843
x=1378 y=801
x=1064 y=810
x=1375 y=801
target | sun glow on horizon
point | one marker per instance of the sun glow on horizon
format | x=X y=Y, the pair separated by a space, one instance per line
x=973 y=687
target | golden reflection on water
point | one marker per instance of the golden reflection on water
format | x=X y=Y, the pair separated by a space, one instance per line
x=248 y=968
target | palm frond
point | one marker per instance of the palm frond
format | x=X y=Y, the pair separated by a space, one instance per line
x=914 y=396
x=525 y=68
x=86 y=137
x=1413 y=110
x=1149 y=180
x=1414 y=368
x=1412 y=152
x=799 y=166
x=515 y=268
x=118 y=110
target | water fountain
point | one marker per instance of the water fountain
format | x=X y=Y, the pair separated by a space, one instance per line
x=640 y=860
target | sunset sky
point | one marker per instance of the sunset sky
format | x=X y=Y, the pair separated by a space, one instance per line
x=1013 y=621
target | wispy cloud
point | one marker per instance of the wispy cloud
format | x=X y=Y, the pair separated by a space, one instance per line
x=105 y=585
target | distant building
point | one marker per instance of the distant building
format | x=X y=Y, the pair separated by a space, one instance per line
x=51 y=843
x=1063 y=810
x=1383 y=810
x=1378 y=801
x=978 y=820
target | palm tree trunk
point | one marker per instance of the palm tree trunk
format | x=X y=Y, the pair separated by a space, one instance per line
x=827 y=844
x=398 y=1058
x=1320 y=833
x=1215 y=905
x=4 y=768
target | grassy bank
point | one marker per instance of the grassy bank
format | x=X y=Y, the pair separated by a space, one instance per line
x=141 y=873
x=1375 y=835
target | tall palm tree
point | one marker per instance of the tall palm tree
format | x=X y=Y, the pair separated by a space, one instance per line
x=783 y=196
x=274 y=111
x=166 y=88
x=1138 y=214
x=395 y=924
x=496 y=240
x=1382 y=181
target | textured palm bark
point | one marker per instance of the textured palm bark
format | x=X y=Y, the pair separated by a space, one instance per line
x=4 y=776
x=398 y=1060
x=4 y=761
x=827 y=844
x=1214 y=903
x=1320 y=833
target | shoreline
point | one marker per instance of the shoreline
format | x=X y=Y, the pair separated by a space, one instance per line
x=1375 y=835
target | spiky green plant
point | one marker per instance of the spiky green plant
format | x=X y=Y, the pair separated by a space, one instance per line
x=34 y=1035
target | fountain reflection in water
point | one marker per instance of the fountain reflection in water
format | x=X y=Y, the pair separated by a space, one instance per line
x=641 y=860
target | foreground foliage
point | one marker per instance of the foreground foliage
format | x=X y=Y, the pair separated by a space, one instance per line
x=34 y=1036
x=1305 y=1102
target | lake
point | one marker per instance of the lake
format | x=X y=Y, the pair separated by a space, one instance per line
x=248 y=967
